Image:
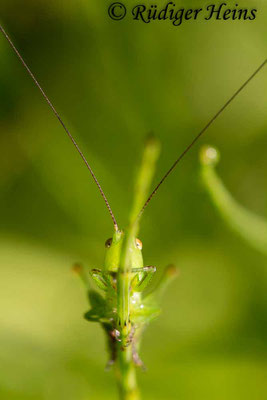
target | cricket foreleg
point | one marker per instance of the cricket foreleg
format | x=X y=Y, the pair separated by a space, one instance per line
x=100 y=279
x=142 y=278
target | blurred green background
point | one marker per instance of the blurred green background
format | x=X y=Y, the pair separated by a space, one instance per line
x=113 y=83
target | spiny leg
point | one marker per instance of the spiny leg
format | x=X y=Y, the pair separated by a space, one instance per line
x=95 y=299
x=101 y=279
x=138 y=283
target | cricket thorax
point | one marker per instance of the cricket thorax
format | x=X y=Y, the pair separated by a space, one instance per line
x=110 y=279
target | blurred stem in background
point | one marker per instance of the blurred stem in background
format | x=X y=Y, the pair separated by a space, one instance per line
x=249 y=226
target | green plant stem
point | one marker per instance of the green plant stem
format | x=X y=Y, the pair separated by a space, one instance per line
x=126 y=374
x=249 y=226
x=125 y=368
x=144 y=178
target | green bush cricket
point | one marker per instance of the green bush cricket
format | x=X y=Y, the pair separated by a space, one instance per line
x=124 y=308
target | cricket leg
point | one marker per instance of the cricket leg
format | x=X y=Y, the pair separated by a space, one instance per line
x=100 y=279
x=142 y=278
x=111 y=346
x=136 y=358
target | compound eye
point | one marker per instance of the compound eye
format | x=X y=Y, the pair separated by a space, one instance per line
x=108 y=243
x=138 y=244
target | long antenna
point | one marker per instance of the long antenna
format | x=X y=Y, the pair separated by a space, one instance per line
x=62 y=123
x=199 y=135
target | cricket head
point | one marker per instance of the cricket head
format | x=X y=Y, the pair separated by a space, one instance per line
x=114 y=249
